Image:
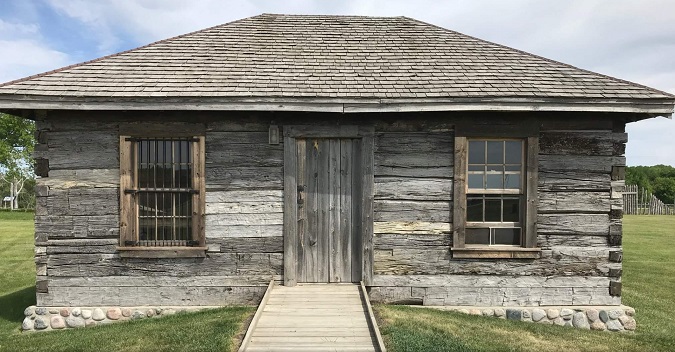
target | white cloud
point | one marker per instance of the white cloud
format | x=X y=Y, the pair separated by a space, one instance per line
x=650 y=142
x=17 y=29
x=23 y=58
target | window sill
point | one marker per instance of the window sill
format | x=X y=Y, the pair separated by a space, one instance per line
x=495 y=253
x=162 y=252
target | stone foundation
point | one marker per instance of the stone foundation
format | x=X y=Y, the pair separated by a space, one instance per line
x=57 y=318
x=604 y=318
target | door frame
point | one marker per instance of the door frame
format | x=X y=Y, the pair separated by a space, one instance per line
x=364 y=170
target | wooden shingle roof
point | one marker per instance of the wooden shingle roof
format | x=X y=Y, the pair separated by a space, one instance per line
x=329 y=63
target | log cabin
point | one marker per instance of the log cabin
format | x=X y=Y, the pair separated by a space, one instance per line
x=438 y=168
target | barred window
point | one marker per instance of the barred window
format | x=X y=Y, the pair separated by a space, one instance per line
x=162 y=192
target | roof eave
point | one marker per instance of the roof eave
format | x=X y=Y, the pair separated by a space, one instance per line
x=655 y=107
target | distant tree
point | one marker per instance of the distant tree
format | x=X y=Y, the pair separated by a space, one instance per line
x=658 y=180
x=664 y=189
x=17 y=142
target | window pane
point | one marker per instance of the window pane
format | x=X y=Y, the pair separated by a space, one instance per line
x=493 y=209
x=477 y=168
x=511 y=209
x=495 y=168
x=506 y=236
x=474 y=209
x=477 y=152
x=495 y=181
x=512 y=181
x=476 y=181
x=514 y=153
x=477 y=236
x=512 y=167
x=495 y=152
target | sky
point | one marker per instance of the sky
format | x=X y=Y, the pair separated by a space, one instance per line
x=627 y=39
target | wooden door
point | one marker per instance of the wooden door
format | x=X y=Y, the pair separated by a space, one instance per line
x=328 y=245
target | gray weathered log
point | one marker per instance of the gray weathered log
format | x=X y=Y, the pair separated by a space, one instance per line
x=582 y=143
x=413 y=189
x=392 y=241
x=574 y=202
x=573 y=181
x=398 y=210
x=574 y=224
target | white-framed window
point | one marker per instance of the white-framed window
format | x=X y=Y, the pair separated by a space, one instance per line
x=494 y=192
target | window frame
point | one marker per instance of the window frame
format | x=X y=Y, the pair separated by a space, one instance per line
x=129 y=220
x=529 y=180
x=509 y=192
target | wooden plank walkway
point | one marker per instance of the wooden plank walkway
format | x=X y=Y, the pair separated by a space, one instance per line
x=312 y=317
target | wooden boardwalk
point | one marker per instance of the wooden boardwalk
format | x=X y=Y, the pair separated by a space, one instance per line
x=312 y=317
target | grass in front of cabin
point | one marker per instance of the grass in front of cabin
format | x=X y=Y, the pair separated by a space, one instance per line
x=648 y=286
x=212 y=330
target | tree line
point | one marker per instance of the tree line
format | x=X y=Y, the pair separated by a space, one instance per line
x=658 y=180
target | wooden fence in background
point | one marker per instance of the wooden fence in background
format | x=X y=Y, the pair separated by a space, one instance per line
x=639 y=201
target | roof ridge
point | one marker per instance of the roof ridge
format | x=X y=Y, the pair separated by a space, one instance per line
x=543 y=58
x=325 y=15
x=121 y=52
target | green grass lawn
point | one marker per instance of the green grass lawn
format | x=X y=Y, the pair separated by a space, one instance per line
x=212 y=330
x=648 y=286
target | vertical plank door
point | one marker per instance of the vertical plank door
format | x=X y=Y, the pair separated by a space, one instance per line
x=325 y=213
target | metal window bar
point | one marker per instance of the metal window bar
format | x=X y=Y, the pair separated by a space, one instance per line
x=164 y=201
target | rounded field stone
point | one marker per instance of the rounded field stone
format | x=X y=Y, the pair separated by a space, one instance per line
x=488 y=312
x=598 y=325
x=27 y=324
x=603 y=316
x=579 y=320
x=500 y=313
x=29 y=311
x=552 y=313
x=559 y=321
x=114 y=313
x=514 y=314
x=41 y=311
x=464 y=311
x=76 y=312
x=138 y=315
x=568 y=322
x=90 y=323
x=74 y=322
x=475 y=312
x=627 y=322
x=538 y=314
x=86 y=313
x=64 y=312
x=615 y=314
x=158 y=311
x=527 y=315
x=126 y=312
x=566 y=313
x=57 y=322
x=614 y=325
x=630 y=311
x=98 y=314
x=592 y=314
x=40 y=323
x=53 y=311
x=150 y=313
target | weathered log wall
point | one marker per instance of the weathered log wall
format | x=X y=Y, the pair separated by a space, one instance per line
x=77 y=214
x=77 y=218
x=579 y=225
